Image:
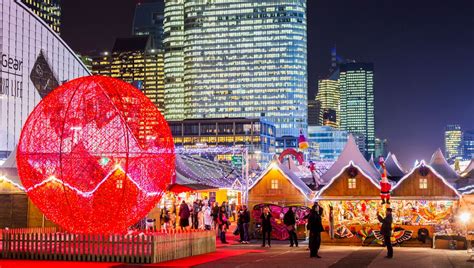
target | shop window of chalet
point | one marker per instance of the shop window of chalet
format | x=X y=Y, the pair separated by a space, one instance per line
x=423 y=183
x=274 y=184
x=351 y=183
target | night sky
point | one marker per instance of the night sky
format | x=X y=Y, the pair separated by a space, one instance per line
x=422 y=51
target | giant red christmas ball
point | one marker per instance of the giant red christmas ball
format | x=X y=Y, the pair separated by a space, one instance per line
x=95 y=155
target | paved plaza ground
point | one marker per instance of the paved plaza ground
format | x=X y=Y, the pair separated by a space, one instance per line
x=280 y=255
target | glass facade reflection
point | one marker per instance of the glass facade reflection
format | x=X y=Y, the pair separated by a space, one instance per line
x=329 y=140
x=240 y=59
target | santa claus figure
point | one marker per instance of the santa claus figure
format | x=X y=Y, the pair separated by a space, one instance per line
x=385 y=186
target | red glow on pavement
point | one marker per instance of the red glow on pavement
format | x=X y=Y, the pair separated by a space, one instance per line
x=184 y=262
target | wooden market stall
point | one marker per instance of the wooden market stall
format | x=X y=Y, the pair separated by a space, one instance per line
x=279 y=188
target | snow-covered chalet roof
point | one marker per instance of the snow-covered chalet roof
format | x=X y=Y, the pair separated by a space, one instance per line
x=439 y=163
x=349 y=154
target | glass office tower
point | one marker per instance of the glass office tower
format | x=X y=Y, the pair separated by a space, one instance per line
x=453 y=142
x=174 y=59
x=329 y=97
x=240 y=59
x=49 y=11
x=148 y=20
x=357 y=104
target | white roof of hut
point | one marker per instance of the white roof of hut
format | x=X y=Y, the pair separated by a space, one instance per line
x=349 y=154
x=372 y=163
x=288 y=174
x=468 y=169
x=439 y=163
x=394 y=169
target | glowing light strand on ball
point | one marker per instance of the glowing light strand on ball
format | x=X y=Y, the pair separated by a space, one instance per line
x=53 y=179
x=95 y=155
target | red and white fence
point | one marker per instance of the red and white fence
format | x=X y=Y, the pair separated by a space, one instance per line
x=129 y=248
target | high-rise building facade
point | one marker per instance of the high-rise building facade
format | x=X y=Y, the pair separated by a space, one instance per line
x=357 y=104
x=135 y=61
x=453 y=142
x=174 y=59
x=380 y=148
x=239 y=59
x=34 y=60
x=314 y=110
x=329 y=97
x=148 y=20
x=468 y=144
x=257 y=135
x=329 y=140
x=48 y=10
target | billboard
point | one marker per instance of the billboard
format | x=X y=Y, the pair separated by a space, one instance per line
x=33 y=61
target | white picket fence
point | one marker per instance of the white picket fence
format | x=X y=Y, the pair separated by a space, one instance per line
x=137 y=248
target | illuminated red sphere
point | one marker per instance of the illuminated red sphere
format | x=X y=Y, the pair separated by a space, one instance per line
x=95 y=155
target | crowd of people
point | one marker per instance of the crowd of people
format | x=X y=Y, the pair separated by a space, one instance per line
x=204 y=215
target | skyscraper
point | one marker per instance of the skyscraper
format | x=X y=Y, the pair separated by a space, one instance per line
x=148 y=20
x=452 y=142
x=380 y=148
x=49 y=11
x=468 y=144
x=357 y=103
x=174 y=59
x=329 y=97
x=314 y=111
x=135 y=61
x=237 y=59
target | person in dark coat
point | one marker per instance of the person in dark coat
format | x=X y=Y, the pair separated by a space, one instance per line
x=184 y=214
x=215 y=213
x=243 y=221
x=315 y=227
x=290 y=221
x=223 y=222
x=266 y=225
x=386 y=231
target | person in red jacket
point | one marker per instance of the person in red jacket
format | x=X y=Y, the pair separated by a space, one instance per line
x=385 y=186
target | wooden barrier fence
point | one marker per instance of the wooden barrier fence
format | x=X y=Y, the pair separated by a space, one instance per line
x=136 y=248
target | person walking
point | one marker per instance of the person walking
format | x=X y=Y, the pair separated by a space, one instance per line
x=266 y=225
x=315 y=227
x=290 y=221
x=245 y=223
x=222 y=220
x=386 y=231
x=184 y=214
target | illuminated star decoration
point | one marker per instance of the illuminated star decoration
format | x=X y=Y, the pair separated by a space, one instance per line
x=95 y=155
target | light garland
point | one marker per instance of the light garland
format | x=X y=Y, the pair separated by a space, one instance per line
x=274 y=165
x=95 y=155
x=4 y=178
x=420 y=164
x=318 y=196
x=87 y=194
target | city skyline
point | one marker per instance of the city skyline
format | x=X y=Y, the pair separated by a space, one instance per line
x=384 y=33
